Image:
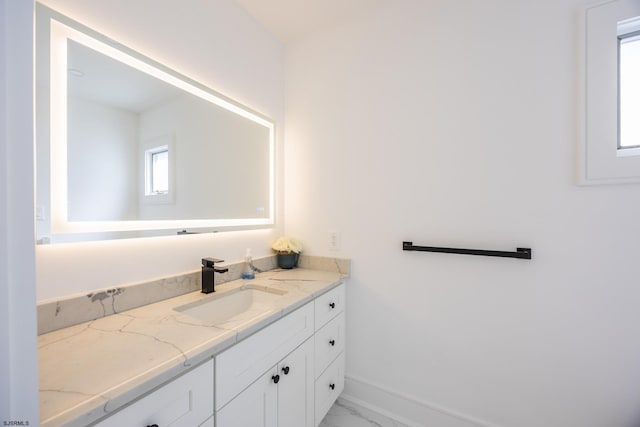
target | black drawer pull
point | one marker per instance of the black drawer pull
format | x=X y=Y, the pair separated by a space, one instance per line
x=285 y=370
x=332 y=386
x=276 y=379
x=153 y=425
x=332 y=305
x=332 y=342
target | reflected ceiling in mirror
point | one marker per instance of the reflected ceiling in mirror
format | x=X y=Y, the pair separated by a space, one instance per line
x=136 y=149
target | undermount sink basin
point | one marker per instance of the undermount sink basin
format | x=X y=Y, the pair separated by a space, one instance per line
x=244 y=303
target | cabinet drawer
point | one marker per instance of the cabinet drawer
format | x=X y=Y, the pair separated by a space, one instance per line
x=240 y=365
x=329 y=343
x=329 y=305
x=328 y=387
x=186 y=401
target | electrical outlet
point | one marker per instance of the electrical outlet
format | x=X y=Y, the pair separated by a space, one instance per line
x=335 y=238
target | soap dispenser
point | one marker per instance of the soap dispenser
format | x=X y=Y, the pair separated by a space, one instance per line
x=247 y=272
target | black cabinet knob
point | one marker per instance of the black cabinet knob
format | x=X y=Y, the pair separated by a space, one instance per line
x=332 y=304
x=276 y=379
x=153 y=425
x=332 y=386
x=285 y=370
x=332 y=342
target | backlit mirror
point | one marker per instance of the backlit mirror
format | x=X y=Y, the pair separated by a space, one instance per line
x=127 y=147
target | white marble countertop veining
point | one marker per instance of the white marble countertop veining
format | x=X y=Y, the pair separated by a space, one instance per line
x=89 y=370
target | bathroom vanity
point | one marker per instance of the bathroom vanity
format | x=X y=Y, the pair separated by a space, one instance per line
x=264 y=352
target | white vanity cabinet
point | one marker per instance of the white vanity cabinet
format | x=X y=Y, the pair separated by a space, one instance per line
x=186 y=401
x=285 y=375
x=288 y=374
x=268 y=379
x=282 y=397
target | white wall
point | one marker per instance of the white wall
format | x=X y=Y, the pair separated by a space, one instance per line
x=18 y=359
x=453 y=124
x=217 y=44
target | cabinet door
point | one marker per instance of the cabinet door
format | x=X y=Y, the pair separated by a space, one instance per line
x=257 y=406
x=296 y=387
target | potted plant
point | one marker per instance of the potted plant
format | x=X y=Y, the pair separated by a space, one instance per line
x=287 y=252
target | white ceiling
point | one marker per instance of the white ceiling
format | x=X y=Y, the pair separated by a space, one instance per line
x=110 y=82
x=291 y=20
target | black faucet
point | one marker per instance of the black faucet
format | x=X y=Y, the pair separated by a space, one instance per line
x=208 y=271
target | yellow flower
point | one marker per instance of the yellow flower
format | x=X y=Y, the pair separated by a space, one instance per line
x=286 y=245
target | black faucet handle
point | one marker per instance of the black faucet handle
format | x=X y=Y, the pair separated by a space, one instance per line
x=209 y=262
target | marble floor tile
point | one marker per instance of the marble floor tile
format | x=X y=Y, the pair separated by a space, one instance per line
x=347 y=414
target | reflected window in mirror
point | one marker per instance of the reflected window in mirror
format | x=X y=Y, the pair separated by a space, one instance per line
x=157 y=161
x=159 y=170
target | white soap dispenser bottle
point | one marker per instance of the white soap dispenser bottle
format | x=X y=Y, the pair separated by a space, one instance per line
x=247 y=272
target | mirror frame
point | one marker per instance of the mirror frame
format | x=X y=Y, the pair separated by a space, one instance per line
x=61 y=29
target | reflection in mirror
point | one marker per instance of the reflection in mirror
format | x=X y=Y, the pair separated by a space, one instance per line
x=137 y=149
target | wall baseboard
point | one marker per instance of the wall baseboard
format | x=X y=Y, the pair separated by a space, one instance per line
x=403 y=408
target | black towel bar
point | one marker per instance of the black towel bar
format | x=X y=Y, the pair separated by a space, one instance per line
x=520 y=253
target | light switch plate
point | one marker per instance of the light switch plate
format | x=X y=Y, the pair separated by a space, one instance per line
x=335 y=240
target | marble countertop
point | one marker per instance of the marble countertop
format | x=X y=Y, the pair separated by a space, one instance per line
x=89 y=370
